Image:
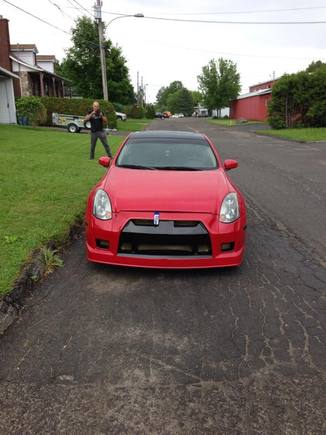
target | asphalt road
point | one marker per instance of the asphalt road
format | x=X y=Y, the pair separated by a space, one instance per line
x=106 y=350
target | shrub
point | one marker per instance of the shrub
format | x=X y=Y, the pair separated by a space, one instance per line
x=150 y=111
x=119 y=107
x=316 y=115
x=31 y=108
x=135 y=111
x=276 y=121
x=77 y=106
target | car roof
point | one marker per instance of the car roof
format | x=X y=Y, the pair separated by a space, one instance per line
x=168 y=134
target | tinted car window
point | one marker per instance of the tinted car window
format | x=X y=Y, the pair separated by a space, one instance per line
x=162 y=153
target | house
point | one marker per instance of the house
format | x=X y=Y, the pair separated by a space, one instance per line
x=7 y=78
x=30 y=73
x=253 y=106
x=36 y=72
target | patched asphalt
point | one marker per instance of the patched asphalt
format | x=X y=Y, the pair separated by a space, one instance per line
x=101 y=350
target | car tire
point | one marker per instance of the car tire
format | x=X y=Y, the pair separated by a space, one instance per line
x=87 y=124
x=73 y=128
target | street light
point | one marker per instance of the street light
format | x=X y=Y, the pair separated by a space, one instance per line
x=98 y=18
x=139 y=15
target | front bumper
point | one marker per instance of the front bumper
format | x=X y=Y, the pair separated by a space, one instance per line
x=219 y=234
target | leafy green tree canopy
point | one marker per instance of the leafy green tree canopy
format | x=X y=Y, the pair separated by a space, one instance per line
x=219 y=83
x=299 y=99
x=164 y=93
x=83 y=68
x=181 y=101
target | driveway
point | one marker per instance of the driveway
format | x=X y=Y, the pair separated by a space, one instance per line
x=103 y=350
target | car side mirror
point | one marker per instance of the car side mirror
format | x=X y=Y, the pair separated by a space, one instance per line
x=104 y=161
x=230 y=164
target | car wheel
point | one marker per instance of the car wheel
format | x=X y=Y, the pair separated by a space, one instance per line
x=73 y=128
x=87 y=124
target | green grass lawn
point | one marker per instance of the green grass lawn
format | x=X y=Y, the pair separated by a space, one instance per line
x=45 y=177
x=231 y=122
x=299 y=134
x=133 y=124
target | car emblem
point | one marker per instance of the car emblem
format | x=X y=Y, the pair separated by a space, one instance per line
x=156 y=219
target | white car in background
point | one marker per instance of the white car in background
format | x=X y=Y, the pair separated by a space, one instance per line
x=121 y=116
x=178 y=115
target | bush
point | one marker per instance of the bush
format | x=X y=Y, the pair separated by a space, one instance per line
x=135 y=111
x=316 y=115
x=150 y=111
x=31 y=108
x=276 y=121
x=119 y=107
x=77 y=106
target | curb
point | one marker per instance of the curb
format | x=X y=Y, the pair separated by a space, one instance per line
x=32 y=272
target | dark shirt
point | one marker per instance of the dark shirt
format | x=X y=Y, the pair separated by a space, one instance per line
x=96 y=122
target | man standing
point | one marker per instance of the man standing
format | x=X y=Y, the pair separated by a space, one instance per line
x=97 y=120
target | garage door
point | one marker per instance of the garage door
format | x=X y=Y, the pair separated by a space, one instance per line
x=7 y=101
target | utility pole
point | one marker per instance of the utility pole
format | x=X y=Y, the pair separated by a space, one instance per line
x=138 y=95
x=98 y=19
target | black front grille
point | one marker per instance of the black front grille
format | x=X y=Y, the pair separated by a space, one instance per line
x=169 y=238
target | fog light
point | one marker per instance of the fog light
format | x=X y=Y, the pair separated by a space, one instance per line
x=103 y=244
x=126 y=247
x=227 y=246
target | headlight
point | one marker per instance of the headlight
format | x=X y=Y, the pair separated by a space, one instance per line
x=102 y=206
x=230 y=208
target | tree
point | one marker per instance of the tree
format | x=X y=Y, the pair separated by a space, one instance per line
x=181 y=101
x=197 y=97
x=219 y=83
x=314 y=66
x=299 y=99
x=83 y=68
x=164 y=92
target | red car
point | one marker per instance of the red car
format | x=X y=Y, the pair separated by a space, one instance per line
x=166 y=201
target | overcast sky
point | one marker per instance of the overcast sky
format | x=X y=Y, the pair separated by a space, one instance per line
x=164 y=51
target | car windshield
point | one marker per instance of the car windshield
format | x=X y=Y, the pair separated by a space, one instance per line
x=167 y=154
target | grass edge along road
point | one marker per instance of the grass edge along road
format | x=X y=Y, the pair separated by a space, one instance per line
x=133 y=124
x=45 y=178
x=298 y=134
x=228 y=122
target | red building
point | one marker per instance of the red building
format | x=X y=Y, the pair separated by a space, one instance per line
x=253 y=106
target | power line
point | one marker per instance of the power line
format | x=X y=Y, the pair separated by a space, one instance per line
x=181 y=20
x=240 y=12
x=36 y=17
x=82 y=7
x=59 y=8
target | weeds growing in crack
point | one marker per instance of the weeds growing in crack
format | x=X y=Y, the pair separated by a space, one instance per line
x=51 y=260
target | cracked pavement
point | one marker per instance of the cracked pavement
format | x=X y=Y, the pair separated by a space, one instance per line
x=112 y=350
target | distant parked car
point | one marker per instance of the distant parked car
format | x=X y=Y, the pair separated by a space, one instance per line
x=178 y=115
x=159 y=115
x=121 y=116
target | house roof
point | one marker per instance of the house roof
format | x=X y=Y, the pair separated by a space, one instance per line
x=24 y=47
x=45 y=57
x=7 y=73
x=34 y=67
x=254 y=94
x=265 y=82
x=28 y=65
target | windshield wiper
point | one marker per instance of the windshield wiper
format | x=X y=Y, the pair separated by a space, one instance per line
x=137 y=167
x=178 y=168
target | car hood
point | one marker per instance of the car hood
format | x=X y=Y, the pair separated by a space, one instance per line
x=175 y=191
